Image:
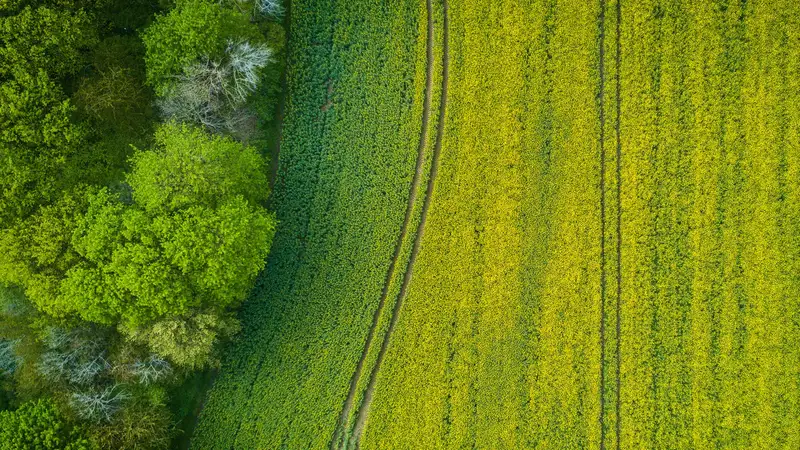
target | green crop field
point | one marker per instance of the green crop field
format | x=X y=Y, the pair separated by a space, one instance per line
x=528 y=224
x=347 y=158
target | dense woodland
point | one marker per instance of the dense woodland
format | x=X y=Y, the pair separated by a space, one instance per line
x=133 y=219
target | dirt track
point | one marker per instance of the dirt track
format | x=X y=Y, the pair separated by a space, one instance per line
x=361 y=417
x=340 y=439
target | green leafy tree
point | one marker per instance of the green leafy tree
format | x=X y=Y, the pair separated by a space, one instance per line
x=115 y=105
x=36 y=253
x=9 y=7
x=215 y=247
x=193 y=30
x=39 y=425
x=193 y=237
x=36 y=138
x=187 y=342
x=189 y=167
x=114 y=98
x=158 y=257
x=52 y=39
x=39 y=48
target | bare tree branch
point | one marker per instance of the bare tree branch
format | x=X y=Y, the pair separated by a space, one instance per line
x=213 y=93
x=98 y=405
x=72 y=357
x=9 y=360
x=151 y=370
x=269 y=8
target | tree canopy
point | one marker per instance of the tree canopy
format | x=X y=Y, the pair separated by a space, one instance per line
x=39 y=425
x=189 y=167
x=126 y=243
x=36 y=138
x=193 y=234
x=51 y=39
x=194 y=29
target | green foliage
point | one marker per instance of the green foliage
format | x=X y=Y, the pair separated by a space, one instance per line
x=188 y=342
x=138 y=427
x=36 y=138
x=117 y=51
x=39 y=425
x=347 y=155
x=36 y=253
x=188 y=167
x=54 y=40
x=264 y=101
x=45 y=146
x=220 y=250
x=193 y=30
x=122 y=16
x=116 y=16
x=259 y=10
x=9 y=7
x=186 y=399
x=114 y=97
x=186 y=242
x=117 y=109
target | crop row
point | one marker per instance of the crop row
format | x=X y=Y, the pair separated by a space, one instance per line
x=347 y=158
x=710 y=336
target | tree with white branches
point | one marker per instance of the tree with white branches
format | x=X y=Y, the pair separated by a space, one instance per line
x=9 y=360
x=13 y=302
x=151 y=370
x=272 y=8
x=98 y=405
x=72 y=357
x=213 y=93
x=197 y=96
x=246 y=61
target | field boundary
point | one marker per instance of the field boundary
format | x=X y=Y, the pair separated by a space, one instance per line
x=341 y=426
x=618 y=311
x=272 y=176
x=602 y=118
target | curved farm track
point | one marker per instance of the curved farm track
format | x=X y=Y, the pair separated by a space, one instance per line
x=341 y=440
